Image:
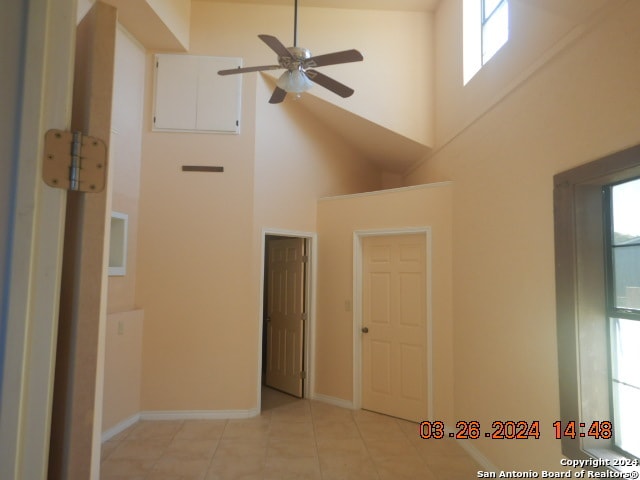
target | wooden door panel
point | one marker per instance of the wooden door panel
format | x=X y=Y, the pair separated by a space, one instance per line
x=380 y=371
x=285 y=309
x=379 y=300
x=394 y=367
x=411 y=289
x=77 y=400
x=411 y=357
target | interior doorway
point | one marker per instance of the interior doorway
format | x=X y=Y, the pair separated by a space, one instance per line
x=287 y=313
x=393 y=324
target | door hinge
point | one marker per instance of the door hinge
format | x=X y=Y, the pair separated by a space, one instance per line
x=73 y=161
x=304 y=316
x=303 y=375
x=305 y=258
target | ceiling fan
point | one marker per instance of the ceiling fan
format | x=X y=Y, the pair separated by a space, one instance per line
x=300 y=67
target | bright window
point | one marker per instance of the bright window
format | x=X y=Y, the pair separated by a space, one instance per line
x=597 y=240
x=623 y=288
x=485 y=31
x=495 y=27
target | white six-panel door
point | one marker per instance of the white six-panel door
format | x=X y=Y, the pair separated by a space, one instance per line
x=394 y=326
x=285 y=312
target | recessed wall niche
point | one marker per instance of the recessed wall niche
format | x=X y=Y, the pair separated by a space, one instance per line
x=118 y=244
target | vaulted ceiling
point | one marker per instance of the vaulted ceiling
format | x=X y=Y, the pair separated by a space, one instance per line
x=399 y=5
x=388 y=150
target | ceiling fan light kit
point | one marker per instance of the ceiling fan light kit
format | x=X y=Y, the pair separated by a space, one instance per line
x=299 y=65
x=294 y=82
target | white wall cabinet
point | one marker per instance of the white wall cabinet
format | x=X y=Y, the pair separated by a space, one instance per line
x=190 y=96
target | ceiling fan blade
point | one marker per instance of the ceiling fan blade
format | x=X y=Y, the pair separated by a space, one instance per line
x=233 y=71
x=345 y=56
x=278 y=95
x=274 y=44
x=329 y=83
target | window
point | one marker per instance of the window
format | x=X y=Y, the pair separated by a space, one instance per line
x=623 y=300
x=597 y=239
x=486 y=30
x=495 y=27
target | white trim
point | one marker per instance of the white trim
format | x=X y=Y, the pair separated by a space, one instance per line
x=120 y=243
x=337 y=402
x=120 y=427
x=310 y=330
x=37 y=245
x=358 y=235
x=389 y=190
x=200 y=414
x=467 y=446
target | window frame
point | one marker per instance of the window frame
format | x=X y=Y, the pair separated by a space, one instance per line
x=484 y=20
x=473 y=32
x=582 y=306
x=614 y=311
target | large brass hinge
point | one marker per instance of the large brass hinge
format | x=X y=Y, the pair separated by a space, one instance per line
x=73 y=161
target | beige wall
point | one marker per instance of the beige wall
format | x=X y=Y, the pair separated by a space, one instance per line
x=394 y=83
x=391 y=42
x=196 y=270
x=538 y=30
x=533 y=111
x=125 y=155
x=581 y=105
x=199 y=261
x=176 y=15
x=299 y=160
x=123 y=334
x=338 y=219
x=123 y=368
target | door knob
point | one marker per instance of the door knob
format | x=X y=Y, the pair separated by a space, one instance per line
x=365 y=329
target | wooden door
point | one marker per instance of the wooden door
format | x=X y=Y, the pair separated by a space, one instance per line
x=394 y=339
x=285 y=314
x=77 y=399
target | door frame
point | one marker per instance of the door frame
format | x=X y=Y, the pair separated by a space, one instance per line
x=38 y=213
x=311 y=239
x=358 y=237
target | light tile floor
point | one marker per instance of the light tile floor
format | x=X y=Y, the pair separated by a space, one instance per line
x=291 y=439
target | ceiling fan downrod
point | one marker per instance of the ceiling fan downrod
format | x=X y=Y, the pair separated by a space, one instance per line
x=300 y=66
x=295 y=24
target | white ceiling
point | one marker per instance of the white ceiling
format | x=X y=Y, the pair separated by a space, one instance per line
x=408 y=5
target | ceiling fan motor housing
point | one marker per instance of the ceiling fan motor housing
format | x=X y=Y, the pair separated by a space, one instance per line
x=297 y=58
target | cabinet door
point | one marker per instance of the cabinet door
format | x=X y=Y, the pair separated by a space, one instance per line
x=176 y=92
x=218 y=101
x=190 y=95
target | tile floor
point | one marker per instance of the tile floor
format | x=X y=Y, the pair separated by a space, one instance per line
x=292 y=439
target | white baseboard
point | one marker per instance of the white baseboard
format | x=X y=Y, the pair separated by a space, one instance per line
x=477 y=455
x=120 y=427
x=179 y=415
x=338 y=402
x=199 y=414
